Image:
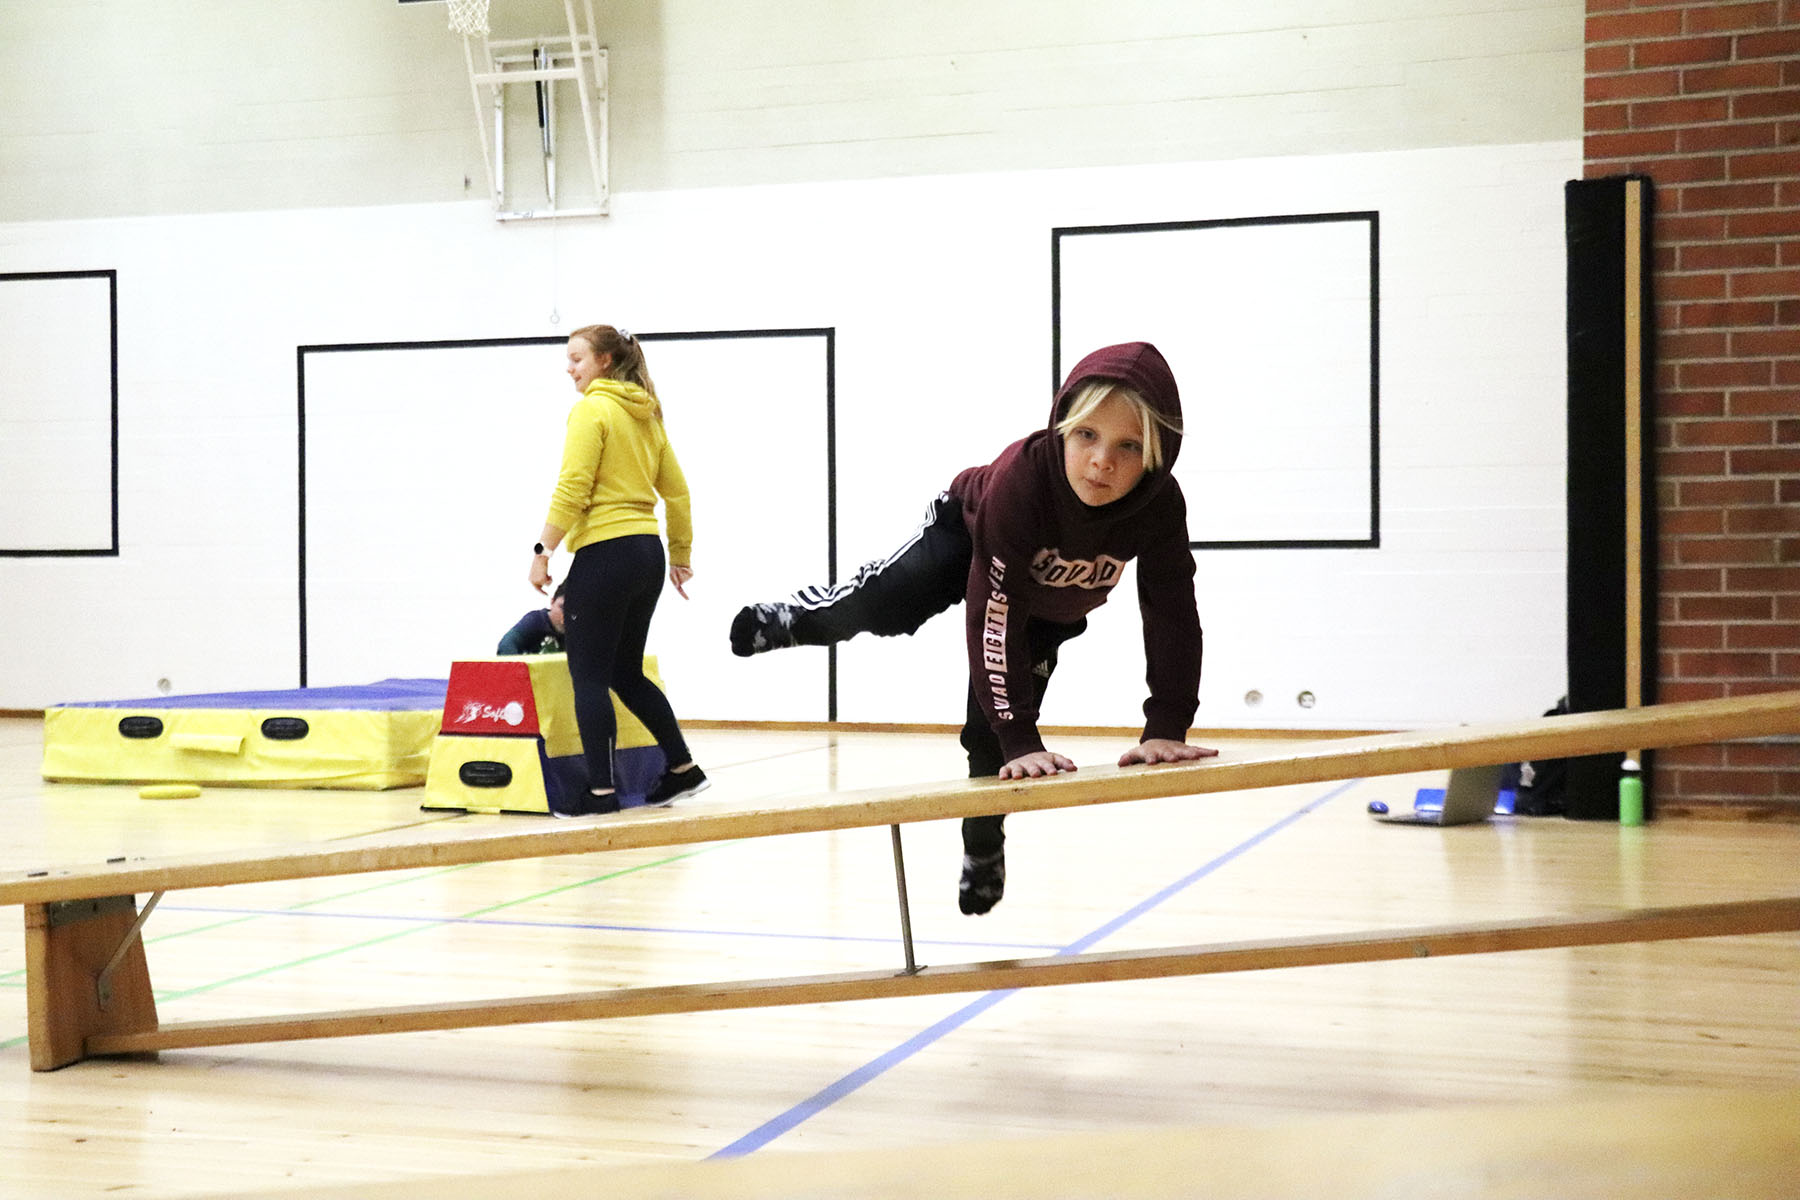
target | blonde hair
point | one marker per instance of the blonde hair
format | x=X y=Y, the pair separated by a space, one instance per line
x=1095 y=392
x=627 y=357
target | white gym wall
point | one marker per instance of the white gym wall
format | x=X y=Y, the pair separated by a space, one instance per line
x=904 y=200
x=469 y=462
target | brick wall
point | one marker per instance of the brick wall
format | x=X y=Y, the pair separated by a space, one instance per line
x=1705 y=99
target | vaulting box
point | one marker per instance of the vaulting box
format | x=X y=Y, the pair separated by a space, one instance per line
x=508 y=741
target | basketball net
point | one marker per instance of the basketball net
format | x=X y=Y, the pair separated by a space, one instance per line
x=469 y=17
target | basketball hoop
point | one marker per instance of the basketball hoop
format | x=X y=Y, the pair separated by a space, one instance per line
x=469 y=17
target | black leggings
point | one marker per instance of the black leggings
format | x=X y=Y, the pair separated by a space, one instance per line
x=608 y=600
x=896 y=595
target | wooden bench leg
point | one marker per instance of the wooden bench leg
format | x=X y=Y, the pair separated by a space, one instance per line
x=68 y=947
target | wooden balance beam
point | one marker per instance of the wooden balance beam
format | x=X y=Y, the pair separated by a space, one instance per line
x=88 y=986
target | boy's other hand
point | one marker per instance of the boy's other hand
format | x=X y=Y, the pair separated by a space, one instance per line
x=1163 y=750
x=1036 y=765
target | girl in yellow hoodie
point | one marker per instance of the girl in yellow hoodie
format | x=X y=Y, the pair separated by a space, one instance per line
x=616 y=461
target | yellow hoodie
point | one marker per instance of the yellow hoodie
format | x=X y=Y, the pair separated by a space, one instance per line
x=616 y=461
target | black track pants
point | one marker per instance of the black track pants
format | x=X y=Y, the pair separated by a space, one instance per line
x=983 y=836
x=898 y=594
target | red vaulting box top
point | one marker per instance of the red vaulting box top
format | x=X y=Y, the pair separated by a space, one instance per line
x=490 y=698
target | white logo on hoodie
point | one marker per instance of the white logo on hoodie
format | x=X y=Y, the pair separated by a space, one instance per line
x=1051 y=569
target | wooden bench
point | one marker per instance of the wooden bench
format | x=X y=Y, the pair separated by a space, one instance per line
x=88 y=984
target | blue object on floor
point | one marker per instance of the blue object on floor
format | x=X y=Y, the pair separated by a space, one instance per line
x=1378 y=806
x=1432 y=800
x=1429 y=800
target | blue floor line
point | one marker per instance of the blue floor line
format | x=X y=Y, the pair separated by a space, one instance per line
x=761 y=1136
x=597 y=927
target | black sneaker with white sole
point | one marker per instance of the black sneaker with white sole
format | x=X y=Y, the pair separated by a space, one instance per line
x=590 y=805
x=676 y=784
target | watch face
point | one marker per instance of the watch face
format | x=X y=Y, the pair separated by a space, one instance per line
x=538 y=549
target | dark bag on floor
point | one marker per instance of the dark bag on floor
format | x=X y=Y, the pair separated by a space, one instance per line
x=1543 y=782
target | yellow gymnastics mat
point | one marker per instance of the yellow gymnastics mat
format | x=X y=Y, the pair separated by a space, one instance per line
x=367 y=736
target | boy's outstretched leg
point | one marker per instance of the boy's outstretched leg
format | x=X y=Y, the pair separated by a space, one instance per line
x=896 y=595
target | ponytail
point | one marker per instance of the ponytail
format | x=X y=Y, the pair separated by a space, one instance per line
x=627 y=358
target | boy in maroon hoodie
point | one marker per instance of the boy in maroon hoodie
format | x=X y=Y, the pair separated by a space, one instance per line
x=1033 y=542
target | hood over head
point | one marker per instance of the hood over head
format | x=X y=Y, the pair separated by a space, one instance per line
x=1141 y=367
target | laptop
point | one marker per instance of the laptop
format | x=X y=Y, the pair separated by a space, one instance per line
x=1468 y=800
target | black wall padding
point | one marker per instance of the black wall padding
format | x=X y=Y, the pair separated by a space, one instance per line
x=1595 y=229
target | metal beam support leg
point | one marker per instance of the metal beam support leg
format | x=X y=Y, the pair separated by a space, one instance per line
x=906 y=938
x=103 y=984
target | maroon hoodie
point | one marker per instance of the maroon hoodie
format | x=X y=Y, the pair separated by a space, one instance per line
x=1040 y=552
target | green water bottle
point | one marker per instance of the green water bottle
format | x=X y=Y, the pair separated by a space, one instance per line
x=1631 y=794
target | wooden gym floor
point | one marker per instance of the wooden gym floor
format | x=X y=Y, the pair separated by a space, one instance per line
x=1553 y=1028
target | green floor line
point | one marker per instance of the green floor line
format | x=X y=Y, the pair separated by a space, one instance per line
x=9 y=1043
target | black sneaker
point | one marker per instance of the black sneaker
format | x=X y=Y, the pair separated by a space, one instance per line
x=676 y=784
x=983 y=883
x=589 y=805
x=760 y=627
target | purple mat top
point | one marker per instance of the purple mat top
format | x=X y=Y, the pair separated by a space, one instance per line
x=387 y=695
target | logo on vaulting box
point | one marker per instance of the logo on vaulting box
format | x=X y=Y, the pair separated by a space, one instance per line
x=490 y=698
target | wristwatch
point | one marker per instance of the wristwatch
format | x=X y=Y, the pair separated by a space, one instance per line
x=539 y=549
